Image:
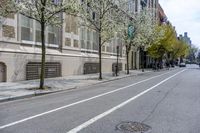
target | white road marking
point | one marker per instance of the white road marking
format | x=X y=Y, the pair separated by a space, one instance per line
x=75 y=103
x=100 y=116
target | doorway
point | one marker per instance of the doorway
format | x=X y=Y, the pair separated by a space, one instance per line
x=2 y=72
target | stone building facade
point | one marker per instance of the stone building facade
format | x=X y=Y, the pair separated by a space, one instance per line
x=71 y=50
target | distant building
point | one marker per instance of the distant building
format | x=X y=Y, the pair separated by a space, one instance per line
x=185 y=38
x=162 y=18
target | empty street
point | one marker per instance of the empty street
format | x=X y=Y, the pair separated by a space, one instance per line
x=166 y=101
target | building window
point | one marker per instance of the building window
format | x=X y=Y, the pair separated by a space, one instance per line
x=89 y=45
x=8 y=31
x=82 y=34
x=155 y=4
x=103 y=48
x=74 y=28
x=143 y=4
x=38 y=36
x=67 y=23
x=56 y=2
x=131 y=6
x=51 y=38
x=38 y=32
x=93 y=15
x=68 y=42
x=88 y=35
x=83 y=44
x=26 y=28
x=152 y=5
x=53 y=35
x=82 y=38
x=109 y=49
x=95 y=41
x=11 y=16
x=136 y=5
x=76 y=44
x=71 y=24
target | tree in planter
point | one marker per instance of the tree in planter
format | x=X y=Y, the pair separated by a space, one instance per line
x=100 y=15
x=46 y=13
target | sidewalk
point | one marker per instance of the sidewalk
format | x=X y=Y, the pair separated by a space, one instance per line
x=23 y=89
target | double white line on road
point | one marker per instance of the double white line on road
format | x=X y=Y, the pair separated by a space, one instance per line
x=100 y=116
x=76 y=103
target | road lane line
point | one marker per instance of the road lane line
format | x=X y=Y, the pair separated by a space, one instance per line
x=100 y=116
x=75 y=103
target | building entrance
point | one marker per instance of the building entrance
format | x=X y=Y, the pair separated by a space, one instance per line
x=2 y=72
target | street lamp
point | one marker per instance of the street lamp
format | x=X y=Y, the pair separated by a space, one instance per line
x=117 y=65
x=142 y=57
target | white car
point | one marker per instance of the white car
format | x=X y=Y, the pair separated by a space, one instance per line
x=182 y=64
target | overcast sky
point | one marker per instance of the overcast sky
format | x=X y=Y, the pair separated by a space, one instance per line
x=185 y=16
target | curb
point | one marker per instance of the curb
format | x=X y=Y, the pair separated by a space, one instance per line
x=68 y=89
x=33 y=95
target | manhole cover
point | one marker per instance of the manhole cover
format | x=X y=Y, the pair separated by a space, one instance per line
x=135 y=127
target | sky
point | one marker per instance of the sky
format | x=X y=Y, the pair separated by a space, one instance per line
x=185 y=16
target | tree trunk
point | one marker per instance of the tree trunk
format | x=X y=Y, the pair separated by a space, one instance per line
x=100 y=69
x=127 y=59
x=142 y=54
x=42 y=74
x=42 y=23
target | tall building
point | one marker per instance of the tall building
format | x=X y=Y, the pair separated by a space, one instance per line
x=185 y=38
x=70 y=49
x=139 y=56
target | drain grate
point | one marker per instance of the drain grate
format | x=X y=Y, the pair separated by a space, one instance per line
x=134 y=127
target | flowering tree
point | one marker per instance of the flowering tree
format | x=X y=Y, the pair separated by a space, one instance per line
x=179 y=49
x=6 y=7
x=162 y=45
x=167 y=46
x=45 y=12
x=100 y=15
x=198 y=57
x=192 y=53
x=143 y=34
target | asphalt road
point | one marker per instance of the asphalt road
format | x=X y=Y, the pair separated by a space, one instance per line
x=166 y=101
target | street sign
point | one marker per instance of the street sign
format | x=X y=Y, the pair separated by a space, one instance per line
x=131 y=31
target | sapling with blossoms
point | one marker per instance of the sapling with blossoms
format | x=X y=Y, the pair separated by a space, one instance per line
x=46 y=13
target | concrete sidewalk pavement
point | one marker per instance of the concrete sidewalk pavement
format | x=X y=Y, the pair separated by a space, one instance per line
x=23 y=89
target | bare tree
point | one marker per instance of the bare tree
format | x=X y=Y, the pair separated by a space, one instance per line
x=45 y=12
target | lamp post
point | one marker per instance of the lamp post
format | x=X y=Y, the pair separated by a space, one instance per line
x=142 y=54
x=117 y=65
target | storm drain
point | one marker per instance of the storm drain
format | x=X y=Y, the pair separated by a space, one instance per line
x=133 y=127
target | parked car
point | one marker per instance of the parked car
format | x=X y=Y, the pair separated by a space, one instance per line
x=182 y=64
